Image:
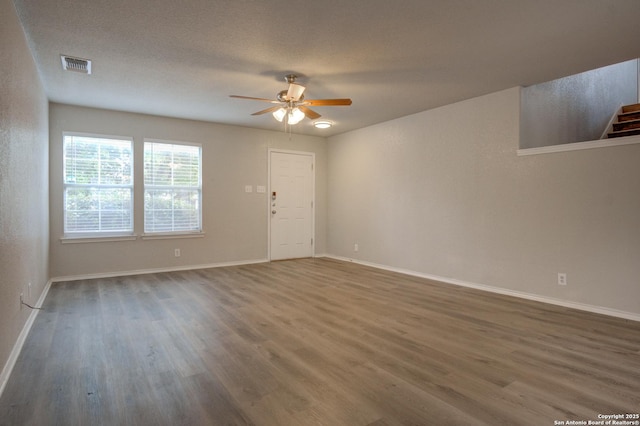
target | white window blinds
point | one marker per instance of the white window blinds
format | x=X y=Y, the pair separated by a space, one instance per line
x=172 y=188
x=98 y=185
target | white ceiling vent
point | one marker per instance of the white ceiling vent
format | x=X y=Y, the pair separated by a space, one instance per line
x=69 y=63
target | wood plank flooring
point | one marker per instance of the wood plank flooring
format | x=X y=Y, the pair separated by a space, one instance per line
x=314 y=342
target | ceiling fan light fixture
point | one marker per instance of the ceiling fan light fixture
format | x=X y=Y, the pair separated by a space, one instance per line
x=292 y=107
x=279 y=114
x=322 y=124
x=295 y=116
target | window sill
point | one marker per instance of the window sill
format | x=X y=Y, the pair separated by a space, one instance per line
x=97 y=239
x=172 y=235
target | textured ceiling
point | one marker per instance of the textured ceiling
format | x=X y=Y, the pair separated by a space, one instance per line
x=393 y=58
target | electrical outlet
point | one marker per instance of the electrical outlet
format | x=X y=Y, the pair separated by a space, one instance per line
x=356 y=247
x=562 y=278
x=176 y=252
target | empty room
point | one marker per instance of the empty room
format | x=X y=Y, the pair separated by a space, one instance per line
x=319 y=213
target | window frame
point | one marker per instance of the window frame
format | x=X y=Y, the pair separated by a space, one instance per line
x=97 y=234
x=177 y=233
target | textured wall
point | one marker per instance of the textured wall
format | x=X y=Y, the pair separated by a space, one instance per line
x=235 y=222
x=427 y=194
x=576 y=108
x=24 y=198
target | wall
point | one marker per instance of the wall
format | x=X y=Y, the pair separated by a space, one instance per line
x=577 y=108
x=443 y=193
x=234 y=222
x=24 y=229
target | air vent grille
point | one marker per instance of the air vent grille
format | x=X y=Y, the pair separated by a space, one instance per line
x=69 y=63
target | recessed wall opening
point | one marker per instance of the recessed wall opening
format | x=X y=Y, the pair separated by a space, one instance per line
x=577 y=108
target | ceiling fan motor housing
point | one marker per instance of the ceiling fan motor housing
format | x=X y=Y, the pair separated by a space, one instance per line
x=282 y=96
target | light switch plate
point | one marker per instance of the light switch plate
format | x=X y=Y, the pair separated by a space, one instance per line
x=248 y=188
x=261 y=189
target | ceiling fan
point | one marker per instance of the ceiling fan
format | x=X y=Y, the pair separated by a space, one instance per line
x=291 y=106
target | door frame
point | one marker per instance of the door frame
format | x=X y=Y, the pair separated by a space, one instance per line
x=313 y=195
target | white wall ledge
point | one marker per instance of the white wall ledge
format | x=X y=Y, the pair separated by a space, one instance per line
x=578 y=146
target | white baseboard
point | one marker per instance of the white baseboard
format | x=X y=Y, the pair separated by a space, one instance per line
x=22 y=337
x=13 y=357
x=17 y=348
x=155 y=270
x=523 y=295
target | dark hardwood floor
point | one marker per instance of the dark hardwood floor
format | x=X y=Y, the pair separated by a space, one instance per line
x=314 y=342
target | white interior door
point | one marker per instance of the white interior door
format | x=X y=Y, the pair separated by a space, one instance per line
x=291 y=205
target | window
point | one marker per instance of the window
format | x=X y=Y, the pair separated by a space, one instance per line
x=98 y=185
x=172 y=187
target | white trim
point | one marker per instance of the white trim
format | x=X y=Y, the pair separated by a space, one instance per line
x=17 y=348
x=97 y=135
x=172 y=236
x=22 y=337
x=155 y=270
x=514 y=293
x=81 y=240
x=170 y=142
x=578 y=146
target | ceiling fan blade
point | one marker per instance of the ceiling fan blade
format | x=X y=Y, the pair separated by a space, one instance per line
x=270 y=109
x=254 y=99
x=295 y=91
x=327 y=102
x=309 y=113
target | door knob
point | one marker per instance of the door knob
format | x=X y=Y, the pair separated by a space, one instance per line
x=273 y=212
